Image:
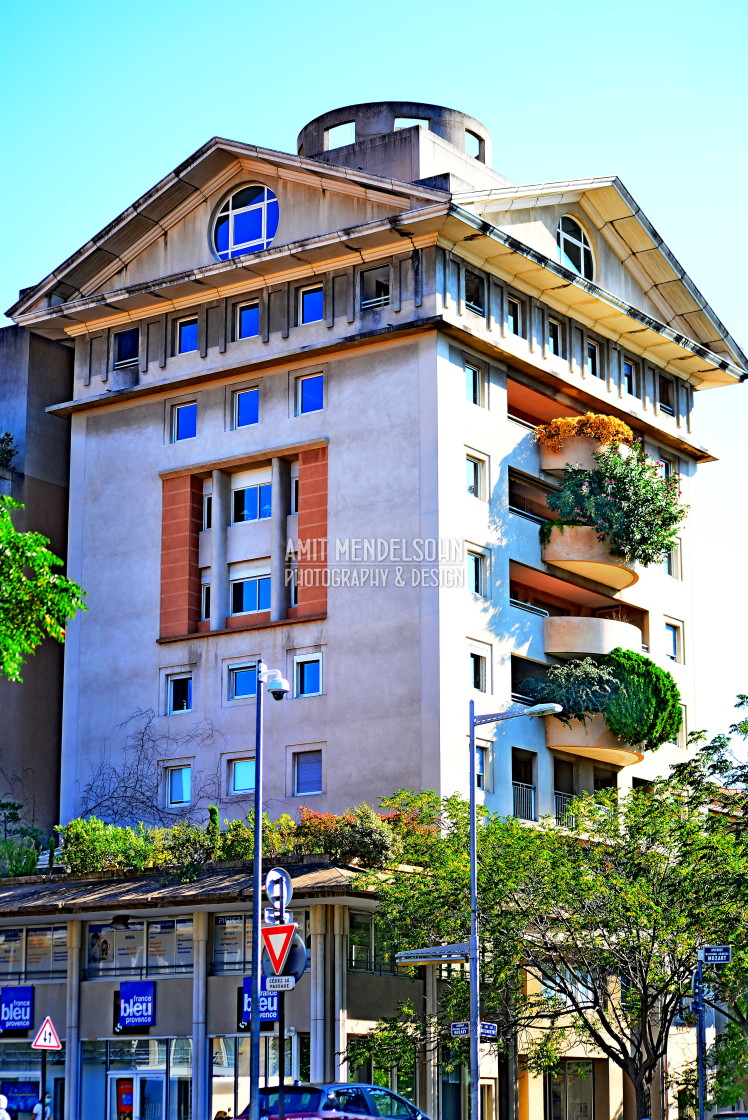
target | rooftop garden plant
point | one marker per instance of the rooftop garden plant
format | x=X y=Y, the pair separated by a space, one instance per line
x=639 y=700
x=8 y=449
x=626 y=500
x=606 y=429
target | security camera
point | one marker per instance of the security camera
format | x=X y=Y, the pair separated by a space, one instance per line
x=278 y=687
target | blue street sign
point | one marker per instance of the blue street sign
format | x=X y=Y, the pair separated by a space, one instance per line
x=489 y=1030
x=717 y=954
x=460 y=1030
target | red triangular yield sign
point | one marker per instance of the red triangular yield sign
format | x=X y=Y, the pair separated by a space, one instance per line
x=46 y=1038
x=278 y=943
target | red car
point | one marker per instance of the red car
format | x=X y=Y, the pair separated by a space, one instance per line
x=336 y=1101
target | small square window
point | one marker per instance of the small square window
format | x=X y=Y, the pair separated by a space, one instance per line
x=475 y=469
x=478 y=672
x=242 y=681
x=673 y=641
x=207 y=511
x=594 y=365
x=310 y=393
x=248 y=320
x=178 y=786
x=205 y=611
x=126 y=345
x=250 y=595
x=241 y=775
x=307 y=772
x=477 y=573
x=475 y=292
x=375 y=288
x=666 y=394
x=179 y=696
x=475 y=388
x=311 y=304
x=246 y=407
x=514 y=315
x=308 y=675
x=631 y=378
x=183 y=421
x=252 y=503
x=186 y=335
x=555 y=337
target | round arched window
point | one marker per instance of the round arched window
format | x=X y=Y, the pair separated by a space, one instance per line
x=246 y=222
x=574 y=249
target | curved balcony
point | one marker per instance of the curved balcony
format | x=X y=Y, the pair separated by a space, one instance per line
x=589 y=740
x=577 y=636
x=578 y=550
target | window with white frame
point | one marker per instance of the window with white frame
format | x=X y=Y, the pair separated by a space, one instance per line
x=247 y=323
x=250 y=594
x=555 y=338
x=475 y=384
x=251 y=503
x=593 y=359
x=205 y=604
x=207 y=511
x=514 y=316
x=307 y=772
x=186 y=335
x=475 y=476
x=178 y=786
x=478 y=671
x=481 y=767
x=178 y=693
x=183 y=421
x=631 y=380
x=666 y=394
x=295 y=490
x=475 y=292
x=310 y=393
x=476 y=572
x=245 y=408
x=311 y=304
x=246 y=223
x=126 y=345
x=673 y=641
x=308 y=675
x=375 y=287
x=241 y=775
x=243 y=681
x=665 y=466
x=574 y=249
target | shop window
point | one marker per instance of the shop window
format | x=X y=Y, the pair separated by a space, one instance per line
x=39 y=952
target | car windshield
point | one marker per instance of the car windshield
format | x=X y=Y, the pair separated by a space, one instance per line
x=299 y=1098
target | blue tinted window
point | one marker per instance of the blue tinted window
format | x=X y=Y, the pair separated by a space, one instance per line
x=247 y=407
x=187 y=339
x=126 y=345
x=250 y=595
x=222 y=235
x=179 y=788
x=248 y=226
x=248 y=321
x=308 y=678
x=242 y=775
x=184 y=421
x=243 y=681
x=312 y=305
x=252 y=503
x=246 y=223
x=310 y=393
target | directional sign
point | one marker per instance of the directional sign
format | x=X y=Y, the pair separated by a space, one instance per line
x=279 y=887
x=47 y=1038
x=717 y=954
x=460 y=1030
x=489 y=1030
x=278 y=943
x=280 y=983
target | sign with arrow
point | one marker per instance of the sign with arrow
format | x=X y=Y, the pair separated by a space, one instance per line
x=278 y=940
x=47 y=1037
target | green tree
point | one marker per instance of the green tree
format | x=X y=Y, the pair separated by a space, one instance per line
x=35 y=601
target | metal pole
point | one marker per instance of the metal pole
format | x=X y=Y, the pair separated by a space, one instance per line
x=281 y=1055
x=474 y=949
x=700 y=1028
x=44 y=1081
x=254 y=1018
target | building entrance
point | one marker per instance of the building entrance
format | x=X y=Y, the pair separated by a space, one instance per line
x=137 y=1096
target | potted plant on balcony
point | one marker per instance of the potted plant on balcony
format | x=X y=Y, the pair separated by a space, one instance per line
x=572 y=440
x=625 y=500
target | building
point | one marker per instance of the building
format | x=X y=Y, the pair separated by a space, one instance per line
x=285 y=368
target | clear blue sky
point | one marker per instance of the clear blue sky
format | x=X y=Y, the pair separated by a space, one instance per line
x=101 y=100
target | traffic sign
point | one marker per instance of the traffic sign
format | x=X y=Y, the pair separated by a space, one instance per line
x=460 y=1030
x=489 y=1030
x=47 y=1037
x=279 y=888
x=280 y=983
x=717 y=954
x=278 y=943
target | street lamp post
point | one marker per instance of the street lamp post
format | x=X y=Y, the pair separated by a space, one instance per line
x=278 y=688
x=477 y=721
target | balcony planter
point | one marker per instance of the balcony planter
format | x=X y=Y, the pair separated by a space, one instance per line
x=576 y=636
x=578 y=451
x=590 y=739
x=577 y=549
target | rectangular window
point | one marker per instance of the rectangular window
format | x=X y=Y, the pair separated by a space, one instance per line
x=295 y=495
x=241 y=775
x=308 y=675
x=307 y=772
x=178 y=785
x=126 y=346
x=475 y=469
x=311 y=304
x=631 y=378
x=666 y=394
x=183 y=421
x=246 y=407
x=375 y=287
x=477 y=572
x=207 y=511
x=475 y=292
x=673 y=641
x=205 y=610
x=248 y=320
x=242 y=681
x=514 y=315
x=292 y=581
x=186 y=335
x=481 y=767
x=251 y=503
x=310 y=393
x=179 y=692
x=555 y=337
x=250 y=595
x=475 y=384
x=671 y=562
x=478 y=672
x=594 y=365
x=665 y=467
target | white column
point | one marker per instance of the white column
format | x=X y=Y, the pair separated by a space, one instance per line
x=340 y=995
x=72 y=1023
x=199 y=1024
x=317 y=995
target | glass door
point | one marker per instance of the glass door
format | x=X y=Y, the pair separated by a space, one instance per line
x=137 y=1096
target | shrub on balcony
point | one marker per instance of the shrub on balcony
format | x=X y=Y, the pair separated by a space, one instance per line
x=606 y=429
x=640 y=701
x=626 y=501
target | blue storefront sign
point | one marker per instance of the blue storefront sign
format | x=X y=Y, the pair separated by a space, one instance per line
x=137 y=1003
x=16 y=1009
x=268 y=1002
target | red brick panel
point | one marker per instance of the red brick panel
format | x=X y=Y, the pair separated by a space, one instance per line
x=181 y=521
x=312 y=522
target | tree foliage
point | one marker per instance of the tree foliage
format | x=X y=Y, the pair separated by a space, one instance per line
x=35 y=600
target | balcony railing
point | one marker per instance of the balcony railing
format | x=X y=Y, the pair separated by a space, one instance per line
x=562 y=802
x=524 y=801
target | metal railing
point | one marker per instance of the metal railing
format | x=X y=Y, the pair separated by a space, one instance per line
x=561 y=808
x=524 y=801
